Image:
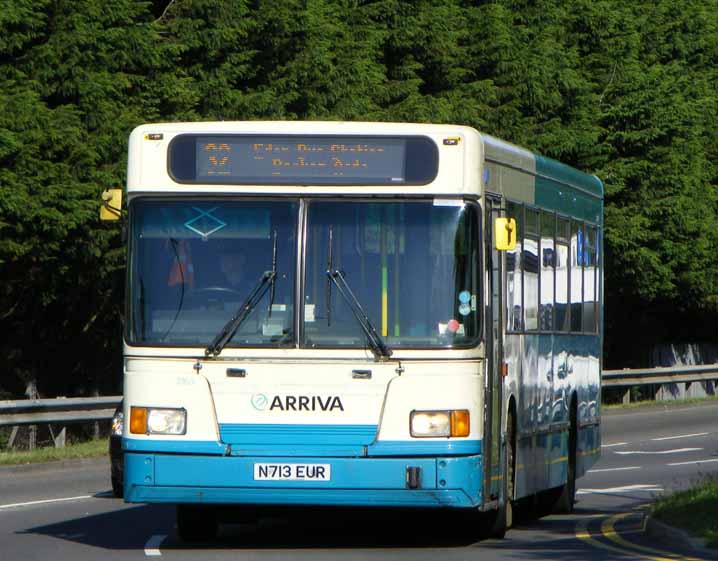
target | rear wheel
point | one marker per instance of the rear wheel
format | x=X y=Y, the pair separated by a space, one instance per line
x=196 y=522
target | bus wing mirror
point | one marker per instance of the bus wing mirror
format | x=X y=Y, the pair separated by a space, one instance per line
x=111 y=208
x=505 y=234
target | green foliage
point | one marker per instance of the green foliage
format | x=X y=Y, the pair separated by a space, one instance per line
x=627 y=91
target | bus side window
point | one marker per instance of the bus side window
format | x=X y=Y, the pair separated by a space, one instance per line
x=530 y=262
x=548 y=258
x=576 y=267
x=589 y=281
x=514 y=293
x=562 y=314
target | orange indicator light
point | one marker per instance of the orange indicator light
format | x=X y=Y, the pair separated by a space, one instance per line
x=460 y=423
x=138 y=420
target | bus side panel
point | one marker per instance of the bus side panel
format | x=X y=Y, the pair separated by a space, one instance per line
x=578 y=373
x=545 y=371
x=588 y=368
x=541 y=438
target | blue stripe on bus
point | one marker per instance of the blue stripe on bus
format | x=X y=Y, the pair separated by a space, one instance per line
x=417 y=498
x=239 y=449
x=424 y=447
x=211 y=447
x=416 y=447
x=172 y=478
x=325 y=435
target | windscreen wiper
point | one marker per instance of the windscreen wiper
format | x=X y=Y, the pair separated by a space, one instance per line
x=376 y=343
x=231 y=327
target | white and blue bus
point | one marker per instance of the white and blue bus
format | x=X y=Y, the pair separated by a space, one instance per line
x=357 y=314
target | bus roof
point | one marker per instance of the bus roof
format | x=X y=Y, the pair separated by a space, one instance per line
x=538 y=176
x=507 y=154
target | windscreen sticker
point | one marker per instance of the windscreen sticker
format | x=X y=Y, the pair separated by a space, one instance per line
x=464 y=296
x=452 y=327
x=464 y=309
x=309 y=313
x=448 y=202
x=205 y=223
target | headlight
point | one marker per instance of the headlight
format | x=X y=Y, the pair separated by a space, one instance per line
x=118 y=423
x=149 y=420
x=426 y=424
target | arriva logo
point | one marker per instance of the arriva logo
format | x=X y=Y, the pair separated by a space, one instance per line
x=298 y=402
x=259 y=401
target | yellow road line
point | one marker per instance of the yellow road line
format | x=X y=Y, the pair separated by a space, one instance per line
x=608 y=529
x=623 y=546
x=584 y=535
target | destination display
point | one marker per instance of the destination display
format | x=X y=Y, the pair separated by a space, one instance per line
x=302 y=160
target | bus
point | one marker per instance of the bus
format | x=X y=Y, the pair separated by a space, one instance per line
x=347 y=314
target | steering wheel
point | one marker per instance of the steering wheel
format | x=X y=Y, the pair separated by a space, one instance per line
x=208 y=294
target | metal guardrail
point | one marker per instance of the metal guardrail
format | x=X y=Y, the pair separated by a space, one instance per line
x=59 y=410
x=660 y=375
x=669 y=383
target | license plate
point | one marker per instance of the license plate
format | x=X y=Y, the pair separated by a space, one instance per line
x=292 y=472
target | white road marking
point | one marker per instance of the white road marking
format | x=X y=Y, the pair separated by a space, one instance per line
x=618 y=490
x=613 y=469
x=676 y=451
x=682 y=436
x=614 y=444
x=45 y=501
x=152 y=547
x=694 y=462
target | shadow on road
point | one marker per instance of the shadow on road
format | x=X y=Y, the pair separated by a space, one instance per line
x=310 y=530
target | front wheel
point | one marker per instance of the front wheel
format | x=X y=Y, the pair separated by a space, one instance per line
x=117 y=487
x=500 y=520
x=196 y=522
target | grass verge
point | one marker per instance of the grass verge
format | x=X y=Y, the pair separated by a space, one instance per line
x=91 y=449
x=694 y=510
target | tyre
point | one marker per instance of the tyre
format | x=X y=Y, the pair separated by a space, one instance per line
x=196 y=523
x=500 y=520
x=117 y=487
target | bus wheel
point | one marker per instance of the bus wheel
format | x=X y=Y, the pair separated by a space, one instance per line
x=117 y=487
x=567 y=493
x=196 y=523
x=502 y=519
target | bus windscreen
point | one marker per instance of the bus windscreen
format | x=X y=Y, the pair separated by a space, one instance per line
x=302 y=160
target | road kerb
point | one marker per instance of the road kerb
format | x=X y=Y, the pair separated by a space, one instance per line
x=677 y=537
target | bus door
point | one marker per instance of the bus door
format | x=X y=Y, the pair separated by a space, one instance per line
x=495 y=359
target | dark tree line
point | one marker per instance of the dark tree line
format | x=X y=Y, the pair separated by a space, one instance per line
x=625 y=90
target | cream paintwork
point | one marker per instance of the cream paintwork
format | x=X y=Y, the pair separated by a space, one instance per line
x=159 y=386
x=458 y=175
x=362 y=357
x=386 y=399
x=427 y=386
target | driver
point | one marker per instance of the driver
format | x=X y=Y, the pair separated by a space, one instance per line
x=232 y=266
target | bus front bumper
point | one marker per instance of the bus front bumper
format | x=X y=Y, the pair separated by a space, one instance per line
x=175 y=478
